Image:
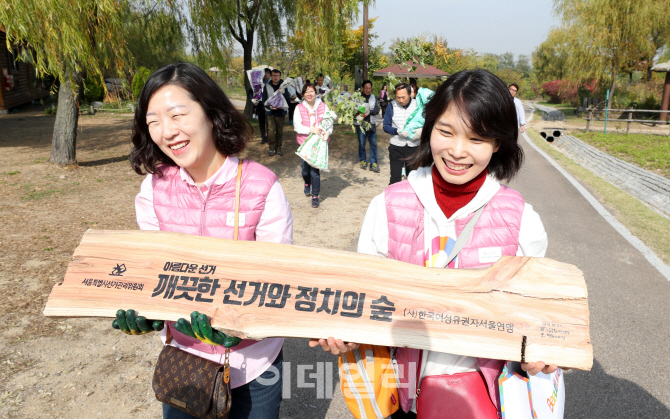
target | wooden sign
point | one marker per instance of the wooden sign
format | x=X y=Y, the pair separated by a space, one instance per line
x=520 y=308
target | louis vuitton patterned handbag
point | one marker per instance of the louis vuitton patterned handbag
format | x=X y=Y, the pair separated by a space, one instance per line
x=192 y=384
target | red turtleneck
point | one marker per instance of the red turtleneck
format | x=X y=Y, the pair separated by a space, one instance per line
x=452 y=197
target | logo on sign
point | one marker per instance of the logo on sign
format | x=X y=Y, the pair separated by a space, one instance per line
x=118 y=270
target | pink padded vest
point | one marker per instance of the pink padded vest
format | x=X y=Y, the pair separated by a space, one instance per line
x=304 y=114
x=179 y=207
x=498 y=226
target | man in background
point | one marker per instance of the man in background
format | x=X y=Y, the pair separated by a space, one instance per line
x=274 y=115
x=367 y=132
x=395 y=119
x=520 y=115
x=260 y=111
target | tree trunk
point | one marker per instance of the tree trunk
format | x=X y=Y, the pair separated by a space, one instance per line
x=612 y=85
x=248 y=49
x=63 y=144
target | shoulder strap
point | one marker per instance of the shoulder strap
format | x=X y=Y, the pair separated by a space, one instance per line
x=464 y=236
x=237 y=200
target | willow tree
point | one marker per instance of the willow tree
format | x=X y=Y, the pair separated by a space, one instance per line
x=605 y=36
x=551 y=56
x=214 y=24
x=65 y=39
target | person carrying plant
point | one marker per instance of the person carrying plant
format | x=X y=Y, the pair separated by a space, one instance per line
x=366 y=127
x=275 y=115
x=306 y=121
x=384 y=99
x=260 y=110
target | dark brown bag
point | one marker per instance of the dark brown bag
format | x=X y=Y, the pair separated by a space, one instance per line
x=192 y=384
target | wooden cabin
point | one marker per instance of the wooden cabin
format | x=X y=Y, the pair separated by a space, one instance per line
x=19 y=82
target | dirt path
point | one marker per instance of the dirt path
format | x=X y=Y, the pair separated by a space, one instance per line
x=81 y=368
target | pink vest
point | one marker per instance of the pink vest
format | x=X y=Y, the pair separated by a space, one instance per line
x=498 y=226
x=179 y=207
x=304 y=114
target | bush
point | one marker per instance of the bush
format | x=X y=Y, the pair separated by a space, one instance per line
x=568 y=92
x=139 y=80
x=561 y=91
x=93 y=89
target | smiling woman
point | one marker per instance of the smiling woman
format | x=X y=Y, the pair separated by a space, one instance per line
x=452 y=212
x=180 y=103
x=186 y=135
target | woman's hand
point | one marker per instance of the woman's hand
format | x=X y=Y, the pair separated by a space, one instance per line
x=315 y=130
x=533 y=368
x=334 y=346
x=201 y=329
x=132 y=324
x=325 y=136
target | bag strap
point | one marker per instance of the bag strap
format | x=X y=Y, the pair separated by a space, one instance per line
x=464 y=236
x=237 y=200
x=168 y=335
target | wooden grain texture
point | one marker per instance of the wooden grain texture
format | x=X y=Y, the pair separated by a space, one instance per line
x=539 y=298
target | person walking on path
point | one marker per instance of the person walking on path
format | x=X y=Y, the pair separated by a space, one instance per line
x=384 y=99
x=274 y=115
x=415 y=90
x=306 y=120
x=468 y=146
x=260 y=111
x=401 y=147
x=293 y=103
x=369 y=134
x=520 y=115
x=187 y=135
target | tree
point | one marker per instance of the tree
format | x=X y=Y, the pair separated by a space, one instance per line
x=153 y=34
x=550 y=58
x=66 y=39
x=606 y=36
x=217 y=23
x=352 y=51
x=659 y=36
x=523 y=65
x=506 y=60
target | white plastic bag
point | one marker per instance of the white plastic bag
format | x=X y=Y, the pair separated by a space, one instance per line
x=547 y=393
x=315 y=148
x=256 y=81
x=514 y=391
x=539 y=397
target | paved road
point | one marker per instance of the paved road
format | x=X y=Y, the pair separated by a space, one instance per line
x=628 y=299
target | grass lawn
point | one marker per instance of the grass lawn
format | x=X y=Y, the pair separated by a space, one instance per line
x=643 y=222
x=651 y=152
x=235 y=92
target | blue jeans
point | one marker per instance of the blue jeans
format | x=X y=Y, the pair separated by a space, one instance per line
x=370 y=136
x=311 y=176
x=254 y=400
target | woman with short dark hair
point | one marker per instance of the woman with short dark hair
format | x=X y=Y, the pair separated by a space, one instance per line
x=186 y=136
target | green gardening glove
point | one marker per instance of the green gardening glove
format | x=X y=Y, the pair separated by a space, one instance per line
x=132 y=324
x=200 y=328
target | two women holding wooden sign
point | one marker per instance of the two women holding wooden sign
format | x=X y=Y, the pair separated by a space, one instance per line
x=186 y=135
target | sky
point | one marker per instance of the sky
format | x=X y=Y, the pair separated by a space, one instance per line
x=487 y=26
